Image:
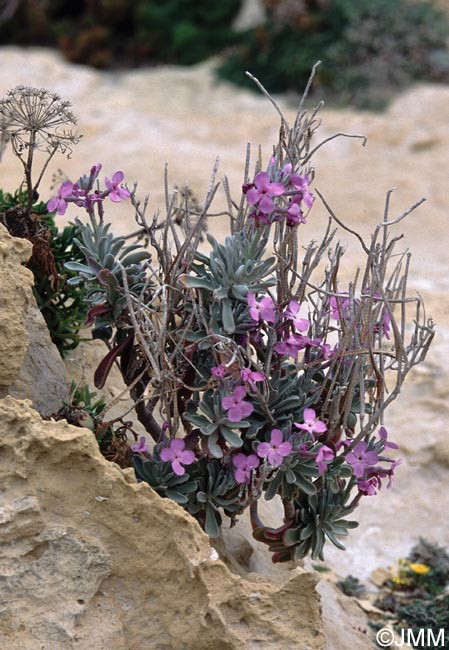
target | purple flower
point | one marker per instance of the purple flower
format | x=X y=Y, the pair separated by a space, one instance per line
x=327 y=351
x=294 y=212
x=361 y=459
x=292 y=313
x=275 y=450
x=236 y=406
x=311 y=424
x=244 y=466
x=372 y=480
x=260 y=195
x=390 y=472
x=339 y=306
x=324 y=455
x=59 y=202
x=385 y=324
x=369 y=487
x=302 y=183
x=264 y=309
x=117 y=193
x=218 y=371
x=251 y=376
x=140 y=447
x=383 y=434
x=292 y=345
x=177 y=455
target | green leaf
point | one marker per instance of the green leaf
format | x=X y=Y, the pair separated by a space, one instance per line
x=330 y=534
x=214 y=449
x=135 y=258
x=78 y=267
x=305 y=485
x=227 y=315
x=208 y=429
x=211 y=525
x=231 y=437
x=198 y=283
x=176 y=496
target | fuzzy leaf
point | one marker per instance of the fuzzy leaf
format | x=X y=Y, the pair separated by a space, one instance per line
x=211 y=525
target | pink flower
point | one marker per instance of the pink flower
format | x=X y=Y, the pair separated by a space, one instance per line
x=311 y=424
x=141 y=446
x=383 y=433
x=218 y=371
x=117 y=193
x=235 y=405
x=177 y=455
x=373 y=476
x=292 y=345
x=369 y=486
x=360 y=458
x=251 y=376
x=58 y=202
x=384 y=324
x=302 y=183
x=262 y=310
x=292 y=313
x=324 y=455
x=339 y=306
x=294 y=212
x=390 y=472
x=275 y=450
x=244 y=465
x=262 y=192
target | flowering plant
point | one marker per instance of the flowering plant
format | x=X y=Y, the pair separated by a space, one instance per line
x=255 y=371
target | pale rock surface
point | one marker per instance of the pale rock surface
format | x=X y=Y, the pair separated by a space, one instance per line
x=30 y=364
x=140 y=119
x=90 y=559
x=15 y=290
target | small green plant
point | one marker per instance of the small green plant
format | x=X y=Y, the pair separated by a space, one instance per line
x=62 y=305
x=426 y=614
x=415 y=597
x=87 y=409
x=351 y=586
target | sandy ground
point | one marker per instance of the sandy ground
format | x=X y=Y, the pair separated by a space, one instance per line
x=140 y=120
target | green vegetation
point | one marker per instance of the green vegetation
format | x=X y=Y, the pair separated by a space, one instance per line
x=125 y=32
x=62 y=306
x=416 y=597
x=369 y=50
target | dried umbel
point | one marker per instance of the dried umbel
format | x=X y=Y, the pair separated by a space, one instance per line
x=33 y=119
x=38 y=114
x=254 y=368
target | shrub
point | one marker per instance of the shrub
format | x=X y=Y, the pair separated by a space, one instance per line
x=369 y=49
x=124 y=32
x=252 y=368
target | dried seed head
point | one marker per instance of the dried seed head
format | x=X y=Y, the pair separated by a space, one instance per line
x=37 y=117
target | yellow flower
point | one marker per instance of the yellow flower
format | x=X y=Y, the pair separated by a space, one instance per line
x=416 y=567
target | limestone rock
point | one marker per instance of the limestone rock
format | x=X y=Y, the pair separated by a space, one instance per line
x=345 y=623
x=15 y=291
x=42 y=378
x=30 y=365
x=92 y=560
